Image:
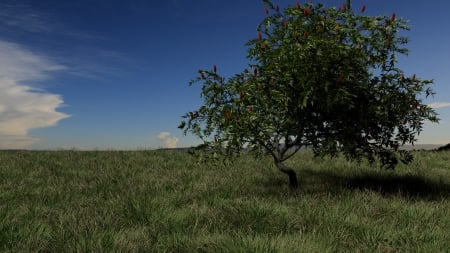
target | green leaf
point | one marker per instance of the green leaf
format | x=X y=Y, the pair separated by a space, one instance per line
x=325 y=78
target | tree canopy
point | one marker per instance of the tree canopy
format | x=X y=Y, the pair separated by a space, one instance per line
x=318 y=77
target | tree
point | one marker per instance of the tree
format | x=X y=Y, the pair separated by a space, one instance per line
x=324 y=78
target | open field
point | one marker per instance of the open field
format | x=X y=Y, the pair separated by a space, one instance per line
x=155 y=201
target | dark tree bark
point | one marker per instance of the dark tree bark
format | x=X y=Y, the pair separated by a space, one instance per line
x=290 y=172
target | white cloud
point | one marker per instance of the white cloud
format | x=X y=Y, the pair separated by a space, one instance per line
x=23 y=107
x=169 y=142
x=20 y=19
x=163 y=135
x=16 y=141
x=19 y=64
x=439 y=105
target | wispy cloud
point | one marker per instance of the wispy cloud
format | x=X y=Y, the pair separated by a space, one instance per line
x=97 y=64
x=169 y=142
x=45 y=33
x=23 y=107
x=20 y=64
x=439 y=105
x=21 y=16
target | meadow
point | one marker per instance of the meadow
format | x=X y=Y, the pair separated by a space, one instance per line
x=163 y=201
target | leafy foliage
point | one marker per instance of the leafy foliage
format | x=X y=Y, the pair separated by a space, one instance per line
x=319 y=77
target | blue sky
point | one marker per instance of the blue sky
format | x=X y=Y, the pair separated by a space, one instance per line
x=105 y=74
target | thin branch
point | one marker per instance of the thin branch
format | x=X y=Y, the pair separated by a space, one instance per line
x=291 y=154
x=274 y=155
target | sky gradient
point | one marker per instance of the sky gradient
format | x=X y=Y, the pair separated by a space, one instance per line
x=101 y=74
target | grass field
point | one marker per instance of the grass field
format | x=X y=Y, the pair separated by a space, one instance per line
x=154 y=201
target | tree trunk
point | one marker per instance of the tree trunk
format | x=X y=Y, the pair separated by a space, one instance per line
x=290 y=172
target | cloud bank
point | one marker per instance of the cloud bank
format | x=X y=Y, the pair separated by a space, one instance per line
x=169 y=142
x=439 y=105
x=23 y=107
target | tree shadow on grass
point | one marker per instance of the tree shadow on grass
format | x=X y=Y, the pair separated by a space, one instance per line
x=409 y=186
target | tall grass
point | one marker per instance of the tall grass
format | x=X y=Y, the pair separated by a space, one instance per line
x=153 y=201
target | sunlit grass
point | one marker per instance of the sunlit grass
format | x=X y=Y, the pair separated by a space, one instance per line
x=154 y=201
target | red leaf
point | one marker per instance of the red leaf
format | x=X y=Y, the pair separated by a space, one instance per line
x=363 y=8
x=393 y=16
x=306 y=11
x=403 y=77
x=414 y=77
x=305 y=34
x=344 y=7
x=285 y=24
x=266 y=10
x=202 y=76
x=259 y=36
x=298 y=6
x=250 y=108
x=215 y=68
x=228 y=115
x=255 y=71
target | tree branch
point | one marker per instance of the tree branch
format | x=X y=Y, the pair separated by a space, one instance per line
x=291 y=154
